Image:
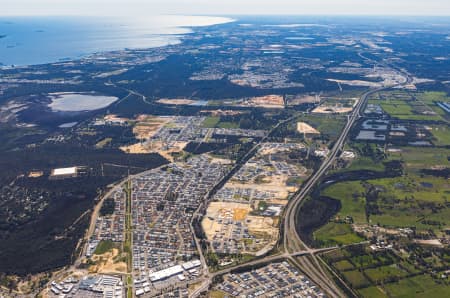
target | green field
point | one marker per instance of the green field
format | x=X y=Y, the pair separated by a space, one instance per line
x=412 y=107
x=214 y=122
x=418 y=286
x=421 y=158
x=372 y=292
x=225 y=124
x=365 y=163
x=431 y=98
x=356 y=279
x=328 y=126
x=365 y=260
x=426 y=188
x=412 y=201
x=441 y=135
x=103 y=247
x=343 y=265
x=351 y=195
x=336 y=233
x=383 y=274
x=210 y=122
x=380 y=274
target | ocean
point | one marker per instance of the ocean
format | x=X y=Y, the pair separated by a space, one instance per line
x=40 y=40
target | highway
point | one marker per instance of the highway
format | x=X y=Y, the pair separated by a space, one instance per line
x=291 y=240
x=294 y=248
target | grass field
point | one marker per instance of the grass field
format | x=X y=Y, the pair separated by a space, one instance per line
x=426 y=188
x=343 y=265
x=412 y=201
x=382 y=273
x=214 y=122
x=431 y=98
x=365 y=260
x=356 y=279
x=336 y=233
x=365 y=163
x=441 y=134
x=227 y=125
x=335 y=255
x=415 y=107
x=217 y=294
x=104 y=246
x=329 y=126
x=372 y=292
x=418 y=286
x=415 y=158
x=210 y=122
x=351 y=195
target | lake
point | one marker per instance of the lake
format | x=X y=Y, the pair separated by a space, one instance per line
x=79 y=102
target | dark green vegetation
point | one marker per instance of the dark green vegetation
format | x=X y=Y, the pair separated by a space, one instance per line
x=60 y=209
x=107 y=207
x=341 y=200
x=395 y=194
x=41 y=220
x=389 y=274
x=417 y=199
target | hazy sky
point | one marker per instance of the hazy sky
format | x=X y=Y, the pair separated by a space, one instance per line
x=224 y=7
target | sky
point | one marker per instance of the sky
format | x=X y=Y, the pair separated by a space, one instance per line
x=133 y=8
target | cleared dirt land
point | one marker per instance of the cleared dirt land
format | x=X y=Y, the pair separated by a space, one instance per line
x=175 y=101
x=269 y=101
x=305 y=128
x=108 y=263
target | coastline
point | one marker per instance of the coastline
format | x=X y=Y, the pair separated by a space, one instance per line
x=27 y=41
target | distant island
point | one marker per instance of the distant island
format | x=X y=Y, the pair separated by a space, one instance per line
x=3 y=36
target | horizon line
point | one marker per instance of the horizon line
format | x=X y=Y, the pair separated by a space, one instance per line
x=229 y=15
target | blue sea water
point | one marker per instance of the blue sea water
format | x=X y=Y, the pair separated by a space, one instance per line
x=39 y=40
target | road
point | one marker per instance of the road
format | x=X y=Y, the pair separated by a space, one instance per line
x=91 y=228
x=291 y=240
x=237 y=166
x=294 y=248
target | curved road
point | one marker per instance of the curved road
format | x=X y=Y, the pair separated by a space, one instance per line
x=294 y=248
x=291 y=240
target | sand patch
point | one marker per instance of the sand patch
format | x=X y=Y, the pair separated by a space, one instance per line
x=107 y=263
x=175 y=101
x=325 y=109
x=305 y=128
x=269 y=101
x=147 y=126
x=138 y=148
x=239 y=214
x=302 y=99
x=219 y=211
x=260 y=225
